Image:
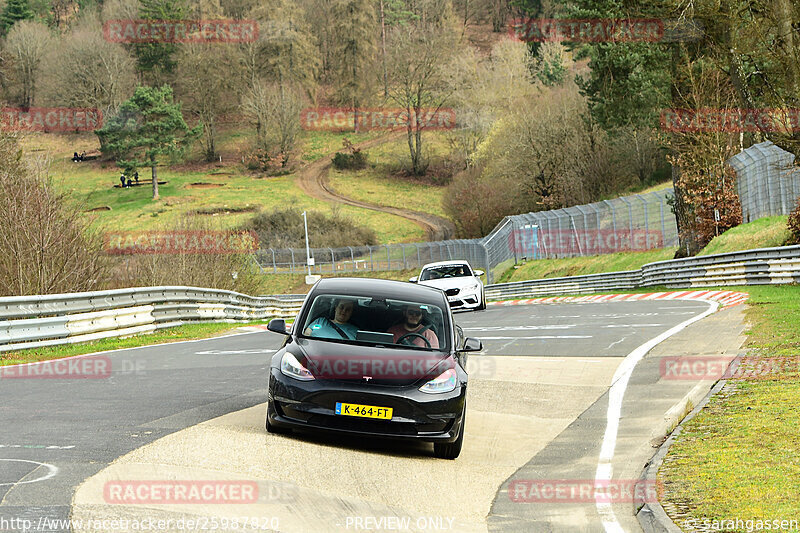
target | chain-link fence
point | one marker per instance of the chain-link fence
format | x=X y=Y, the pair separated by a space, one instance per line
x=766 y=181
x=638 y=222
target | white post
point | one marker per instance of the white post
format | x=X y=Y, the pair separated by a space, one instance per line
x=308 y=250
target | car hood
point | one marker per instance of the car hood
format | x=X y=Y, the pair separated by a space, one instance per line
x=369 y=364
x=450 y=283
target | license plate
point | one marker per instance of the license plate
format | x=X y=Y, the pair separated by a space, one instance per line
x=364 y=411
x=453 y=298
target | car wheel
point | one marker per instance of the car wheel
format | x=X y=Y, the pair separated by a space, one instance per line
x=482 y=306
x=451 y=450
x=275 y=430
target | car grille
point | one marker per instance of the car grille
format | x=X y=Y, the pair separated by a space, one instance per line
x=452 y=292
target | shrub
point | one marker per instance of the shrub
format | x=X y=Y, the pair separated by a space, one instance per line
x=47 y=245
x=793 y=224
x=283 y=228
x=354 y=161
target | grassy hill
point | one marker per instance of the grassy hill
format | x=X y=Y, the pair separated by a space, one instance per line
x=227 y=190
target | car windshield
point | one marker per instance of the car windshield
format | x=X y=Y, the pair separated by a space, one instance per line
x=445 y=271
x=372 y=320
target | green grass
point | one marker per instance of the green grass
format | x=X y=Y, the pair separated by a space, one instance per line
x=576 y=266
x=179 y=333
x=384 y=182
x=233 y=187
x=739 y=456
x=762 y=233
x=295 y=283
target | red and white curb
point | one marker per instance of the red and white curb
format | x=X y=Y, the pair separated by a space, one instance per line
x=725 y=298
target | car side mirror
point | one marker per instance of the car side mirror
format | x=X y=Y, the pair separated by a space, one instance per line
x=413 y=280
x=479 y=273
x=277 y=325
x=472 y=344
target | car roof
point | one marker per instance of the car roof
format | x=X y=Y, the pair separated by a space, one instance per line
x=446 y=263
x=395 y=290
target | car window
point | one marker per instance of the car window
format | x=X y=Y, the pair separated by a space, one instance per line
x=445 y=271
x=371 y=320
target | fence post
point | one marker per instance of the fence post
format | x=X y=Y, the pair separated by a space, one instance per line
x=274 y=266
x=403 y=248
x=333 y=261
x=388 y=259
x=352 y=259
x=371 y=266
x=419 y=257
x=291 y=265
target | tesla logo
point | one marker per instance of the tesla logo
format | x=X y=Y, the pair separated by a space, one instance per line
x=367 y=378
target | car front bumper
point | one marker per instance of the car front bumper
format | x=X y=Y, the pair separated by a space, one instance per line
x=416 y=415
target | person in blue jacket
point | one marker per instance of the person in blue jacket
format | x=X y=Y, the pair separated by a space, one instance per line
x=338 y=327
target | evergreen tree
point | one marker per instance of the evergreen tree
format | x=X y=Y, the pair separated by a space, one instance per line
x=155 y=58
x=15 y=10
x=149 y=125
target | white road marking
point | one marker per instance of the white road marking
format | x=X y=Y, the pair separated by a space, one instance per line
x=51 y=472
x=616 y=342
x=632 y=325
x=519 y=328
x=537 y=337
x=616 y=393
x=236 y=352
x=36 y=446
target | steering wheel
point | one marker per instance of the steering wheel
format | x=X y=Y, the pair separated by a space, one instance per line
x=425 y=340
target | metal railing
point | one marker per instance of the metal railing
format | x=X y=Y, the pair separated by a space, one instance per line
x=765 y=266
x=37 y=321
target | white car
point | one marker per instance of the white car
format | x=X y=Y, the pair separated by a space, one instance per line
x=462 y=285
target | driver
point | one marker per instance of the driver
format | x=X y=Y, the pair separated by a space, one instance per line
x=413 y=329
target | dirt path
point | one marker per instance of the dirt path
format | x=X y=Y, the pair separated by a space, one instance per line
x=313 y=180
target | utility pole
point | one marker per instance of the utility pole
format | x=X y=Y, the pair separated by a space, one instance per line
x=308 y=250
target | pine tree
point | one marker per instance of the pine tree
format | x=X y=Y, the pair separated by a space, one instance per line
x=15 y=10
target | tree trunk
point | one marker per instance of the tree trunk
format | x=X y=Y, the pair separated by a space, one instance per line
x=155 y=177
x=383 y=54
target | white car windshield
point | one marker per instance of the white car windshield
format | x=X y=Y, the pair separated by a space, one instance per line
x=384 y=321
x=445 y=271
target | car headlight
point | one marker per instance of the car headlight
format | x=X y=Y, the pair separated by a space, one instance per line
x=291 y=367
x=473 y=287
x=446 y=382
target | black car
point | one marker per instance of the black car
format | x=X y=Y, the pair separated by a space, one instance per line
x=373 y=357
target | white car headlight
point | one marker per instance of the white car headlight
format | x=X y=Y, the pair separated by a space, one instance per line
x=291 y=367
x=446 y=382
x=473 y=287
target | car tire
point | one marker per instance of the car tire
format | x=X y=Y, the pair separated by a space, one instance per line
x=482 y=306
x=451 y=450
x=275 y=430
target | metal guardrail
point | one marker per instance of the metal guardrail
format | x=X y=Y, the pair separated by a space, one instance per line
x=765 y=266
x=37 y=321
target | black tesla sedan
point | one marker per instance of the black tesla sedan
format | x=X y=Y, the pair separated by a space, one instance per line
x=373 y=357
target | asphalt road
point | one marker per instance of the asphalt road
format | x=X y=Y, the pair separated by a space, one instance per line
x=538 y=396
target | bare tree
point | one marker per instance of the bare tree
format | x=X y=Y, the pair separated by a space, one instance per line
x=417 y=81
x=275 y=110
x=85 y=70
x=27 y=44
x=47 y=245
x=207 y=87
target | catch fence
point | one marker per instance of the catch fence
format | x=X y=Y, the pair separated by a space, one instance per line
x=637 y=222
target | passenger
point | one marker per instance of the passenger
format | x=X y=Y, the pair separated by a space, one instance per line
x=414 y=328
x=338 y=327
